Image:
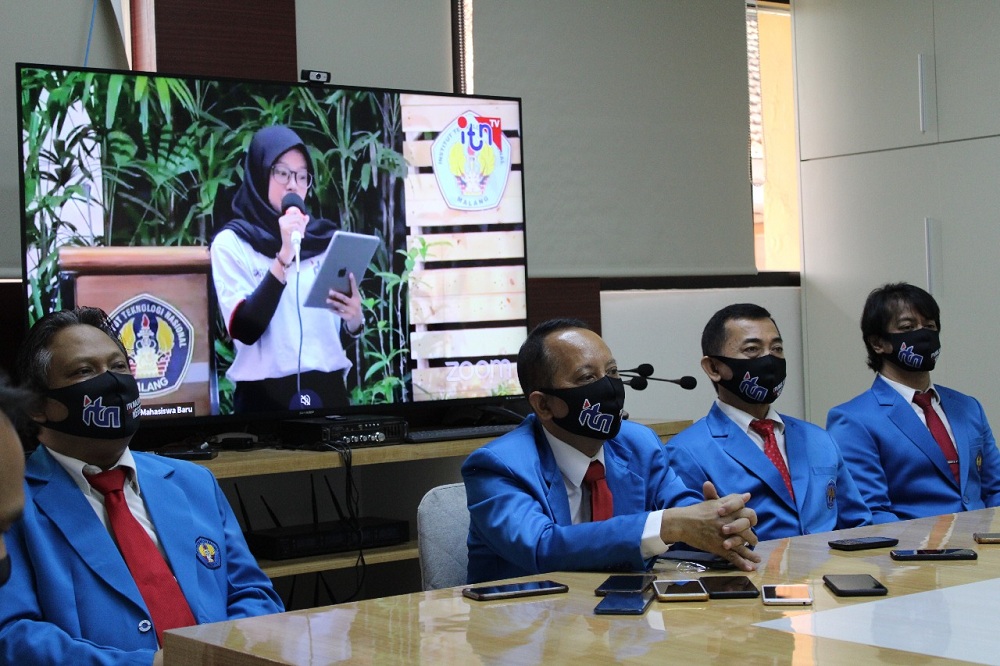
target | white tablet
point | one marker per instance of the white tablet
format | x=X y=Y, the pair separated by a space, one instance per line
x=348 y=253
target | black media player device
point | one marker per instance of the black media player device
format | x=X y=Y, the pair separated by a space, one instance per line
x=352 y=431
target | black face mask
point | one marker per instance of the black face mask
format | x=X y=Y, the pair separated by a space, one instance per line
x=5 y=569
x=102 y=407
x=914 y=351
x=595 y=409
x=756 y=380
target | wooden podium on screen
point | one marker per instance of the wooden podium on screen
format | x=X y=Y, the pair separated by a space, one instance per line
x=158 y=302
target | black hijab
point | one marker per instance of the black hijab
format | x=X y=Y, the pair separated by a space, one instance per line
x=254 y=220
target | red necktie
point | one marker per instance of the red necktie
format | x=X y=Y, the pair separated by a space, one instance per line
x=602 y=505
x=765 y=428
x=940 y=433
x=164 y=599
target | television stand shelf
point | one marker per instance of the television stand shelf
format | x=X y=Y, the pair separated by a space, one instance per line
x=235 y=464
x=316 y=563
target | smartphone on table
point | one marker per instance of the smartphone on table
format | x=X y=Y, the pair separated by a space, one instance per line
x=863 y=543
x=633 y=583
x=625 y=603
x=512 y=590
x=796 y=594
x=986 y=537
x=854 y=585
x=729 y=587
x=934 y=554
x=696 y=559
x=687 y=589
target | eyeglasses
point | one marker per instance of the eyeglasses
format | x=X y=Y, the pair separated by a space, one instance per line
x=283 y=174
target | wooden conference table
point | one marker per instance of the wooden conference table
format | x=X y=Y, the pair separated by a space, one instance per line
x=936 y=612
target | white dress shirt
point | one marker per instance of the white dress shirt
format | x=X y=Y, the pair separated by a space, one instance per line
x=78 y=471
x=573 y=464
x=908 y=394
x=742 y=419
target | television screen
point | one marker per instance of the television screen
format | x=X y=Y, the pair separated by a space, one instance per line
x=201 y=215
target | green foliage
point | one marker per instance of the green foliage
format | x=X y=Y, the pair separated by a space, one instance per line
x=157 y=157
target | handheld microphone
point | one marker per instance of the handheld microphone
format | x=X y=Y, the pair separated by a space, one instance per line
x=638 y=378
x=293 y=200
x=297 y=246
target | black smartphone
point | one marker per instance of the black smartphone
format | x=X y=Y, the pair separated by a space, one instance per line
x=986 y=537
x=511 y=590
x=633 y=583
x=863 y=543
x=934 y=554
x=854 y=585
x=625 y=603
x=729 y=587
x=689 y=589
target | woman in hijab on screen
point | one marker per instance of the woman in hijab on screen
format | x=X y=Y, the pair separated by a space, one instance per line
x=288 y=356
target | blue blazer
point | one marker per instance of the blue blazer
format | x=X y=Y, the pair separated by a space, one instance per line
x=71 y=598
x=715 y=449
x=520 y=521
x=898 y=466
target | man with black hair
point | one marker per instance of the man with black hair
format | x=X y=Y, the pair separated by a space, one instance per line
x=575 y=487
x=915 y=449
x=114 y=547
x=796 y=476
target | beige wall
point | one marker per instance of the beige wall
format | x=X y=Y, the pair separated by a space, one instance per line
x=385 y=43
x=635 y=132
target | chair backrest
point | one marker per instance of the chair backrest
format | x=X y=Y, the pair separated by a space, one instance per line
x=442 y=536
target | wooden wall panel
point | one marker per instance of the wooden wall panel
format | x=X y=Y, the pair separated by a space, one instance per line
x=252 y=39
x=564 y=297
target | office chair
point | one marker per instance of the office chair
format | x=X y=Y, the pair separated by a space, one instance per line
x=442 y=533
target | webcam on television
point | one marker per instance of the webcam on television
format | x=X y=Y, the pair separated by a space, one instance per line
x=315 y=76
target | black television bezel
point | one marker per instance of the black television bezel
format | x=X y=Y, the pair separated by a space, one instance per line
x=155 y=432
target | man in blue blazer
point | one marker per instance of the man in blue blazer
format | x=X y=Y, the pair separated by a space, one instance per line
x=72 y=599
x=745 y=360
x=574 y=487
x=903 y=469
x=13 y=404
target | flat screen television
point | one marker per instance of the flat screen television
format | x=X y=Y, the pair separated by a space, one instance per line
x=129 y=184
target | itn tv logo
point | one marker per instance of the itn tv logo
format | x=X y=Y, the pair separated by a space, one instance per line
x=484 y=131
x=471 y=158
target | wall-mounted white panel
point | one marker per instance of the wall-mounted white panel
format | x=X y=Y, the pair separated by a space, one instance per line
x=862 y=226
x=967 y=53
x=858 y=79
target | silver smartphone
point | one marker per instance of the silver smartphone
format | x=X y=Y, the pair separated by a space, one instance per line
x=934 y=554
x=796 y=594
x=688 y=589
